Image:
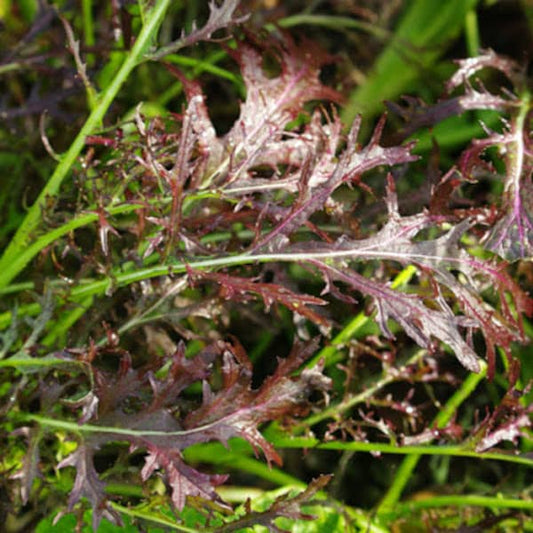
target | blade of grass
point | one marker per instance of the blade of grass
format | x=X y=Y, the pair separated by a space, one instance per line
x=456 y=131
x=332 y=22
x=420 y=39
x=168 y=523
x=88 y=27
x=460 y=500
x=10 y=262
x=237 y=457
x=393 y=449
x=473 y=43
x=198 y=66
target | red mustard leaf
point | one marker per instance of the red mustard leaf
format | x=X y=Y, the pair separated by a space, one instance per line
x=509 y=431
x=487 y=58
x=237 y=409
x=239 y=289
x=30 y=464
x=441 y=257
x=88 y=485
x=136 y=406
x=184 y=480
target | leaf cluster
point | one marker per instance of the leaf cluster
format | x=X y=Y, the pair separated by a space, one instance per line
x=184 y=298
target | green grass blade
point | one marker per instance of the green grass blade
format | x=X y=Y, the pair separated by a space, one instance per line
x=422 y=36
x=10 y=263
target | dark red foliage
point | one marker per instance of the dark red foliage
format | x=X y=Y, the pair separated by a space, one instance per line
x=149 y=412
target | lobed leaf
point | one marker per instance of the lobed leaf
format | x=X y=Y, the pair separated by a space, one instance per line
x=150 y=413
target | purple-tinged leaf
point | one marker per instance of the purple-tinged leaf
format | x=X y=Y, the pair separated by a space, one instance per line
x=487 y=58
x=440 y=258
x=259 y=136
x=237 y=410
x=239 y=289
x=417 y=114
x=317 y=190
x=30 y=463
x=420 y=322
x=510 y=431
x=88 y=485
x=197 y=132
x=148 y=412
x=512 y=236
x=427 y=436
x=221 y=16
x=271 y=103
x=89 y=404
x=184 y=480
x=182 y=372
x=510 y=420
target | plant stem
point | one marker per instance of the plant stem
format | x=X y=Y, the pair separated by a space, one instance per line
x=332 y=22
x=97 y=287
x=334 y=411
x=461 y=500
x=281 y=441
